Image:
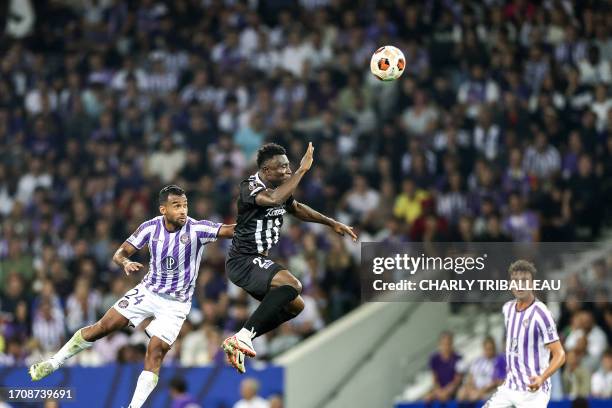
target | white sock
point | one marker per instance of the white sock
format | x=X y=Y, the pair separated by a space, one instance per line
x=146 y=383
x=244 y=334
x=74 y=346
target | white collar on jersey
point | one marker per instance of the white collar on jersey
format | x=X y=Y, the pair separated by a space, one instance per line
x=257 y=179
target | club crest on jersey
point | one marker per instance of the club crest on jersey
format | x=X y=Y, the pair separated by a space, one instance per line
x=526 y=323
x=169 y=263
x=123 y=304
x=184 y=239
x=275 y=211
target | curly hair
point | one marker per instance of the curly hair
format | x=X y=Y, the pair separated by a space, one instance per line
x=268 y=151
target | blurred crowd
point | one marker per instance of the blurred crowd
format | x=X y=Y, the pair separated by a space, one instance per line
x=498 y=130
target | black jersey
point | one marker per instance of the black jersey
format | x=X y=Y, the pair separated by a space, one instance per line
x=257 y=227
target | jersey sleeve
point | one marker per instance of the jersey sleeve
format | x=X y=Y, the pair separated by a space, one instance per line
x=546 y=324
x=249 y=190
x=142 y=235
x=207 y=231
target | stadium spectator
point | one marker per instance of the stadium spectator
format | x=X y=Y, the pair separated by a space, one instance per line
x=361 y=201
x=48 y=326
x=587 y=338
x=542 y=160
x=249 y=389
x=180 y=397
x=196 y=347
x=275 y=401
x=445 y=365
x=601 y=381
x=485 y=374
x=408 y=205
x=576 y=379
x=521 y=224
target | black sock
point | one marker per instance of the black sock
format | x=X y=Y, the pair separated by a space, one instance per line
x=270 y=307
x=279 y=319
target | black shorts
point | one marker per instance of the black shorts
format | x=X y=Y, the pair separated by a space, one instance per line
x=252 y=273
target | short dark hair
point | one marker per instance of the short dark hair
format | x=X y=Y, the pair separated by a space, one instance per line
x=522 y=265
x=166 y=191
x=268 y=151
x=179 y=384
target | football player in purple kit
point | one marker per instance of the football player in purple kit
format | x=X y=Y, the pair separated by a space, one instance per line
x=533 y=350
x=176 y=244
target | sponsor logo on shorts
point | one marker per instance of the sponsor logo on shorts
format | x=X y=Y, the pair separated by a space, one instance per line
x=123 y=304
x=184 y=239
x=169 y=263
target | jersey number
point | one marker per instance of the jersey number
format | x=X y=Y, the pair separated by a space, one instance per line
x=136 y=296
x=263 y=264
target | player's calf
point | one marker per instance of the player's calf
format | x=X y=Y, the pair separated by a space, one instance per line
x=74 y=346
x=81 y=340
x=150 y=375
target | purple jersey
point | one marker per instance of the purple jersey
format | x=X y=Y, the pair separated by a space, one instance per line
x=175 y=256
x=185 y=401
x=444 y=370
x=527 y=334
x=486 y=370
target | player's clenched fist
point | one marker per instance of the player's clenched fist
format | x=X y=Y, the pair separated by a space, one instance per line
x=130 y=267
x=307 y=159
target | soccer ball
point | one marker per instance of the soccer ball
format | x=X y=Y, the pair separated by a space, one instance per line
x=387 y=63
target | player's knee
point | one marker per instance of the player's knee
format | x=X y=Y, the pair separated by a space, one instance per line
x=295 y=284
x=296 y=306
x=285 y=278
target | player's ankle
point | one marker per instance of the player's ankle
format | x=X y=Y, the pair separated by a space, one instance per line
x=55 y=363
x=245 y=334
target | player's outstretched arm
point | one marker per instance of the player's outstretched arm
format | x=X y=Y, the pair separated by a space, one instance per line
x=277 y=196
x=226 y=231
x=305 y=213
x=122 y=256
x=556 y=361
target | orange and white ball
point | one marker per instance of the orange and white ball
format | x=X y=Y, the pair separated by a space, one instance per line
x=388 y=63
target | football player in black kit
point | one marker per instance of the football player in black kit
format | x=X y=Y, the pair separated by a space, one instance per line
x=264 y=198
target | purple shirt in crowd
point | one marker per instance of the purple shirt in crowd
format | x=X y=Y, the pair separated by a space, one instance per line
x=444 y=370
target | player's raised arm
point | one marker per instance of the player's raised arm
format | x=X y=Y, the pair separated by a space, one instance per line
x=305 y=213
x=277 y=196
x=122 y=255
